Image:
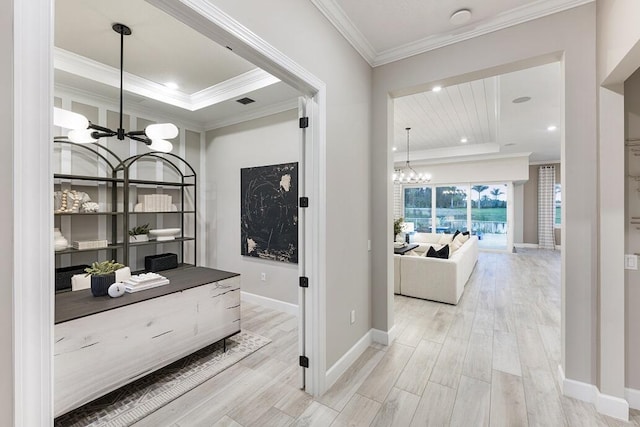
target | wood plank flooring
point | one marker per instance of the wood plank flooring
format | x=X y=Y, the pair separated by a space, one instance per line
x=489 y=361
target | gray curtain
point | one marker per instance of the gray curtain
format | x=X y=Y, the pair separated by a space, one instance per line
x=546 y=210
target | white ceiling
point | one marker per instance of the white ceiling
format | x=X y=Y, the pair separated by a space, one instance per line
x=384 y=31
x=483 y=112
x=160 y=49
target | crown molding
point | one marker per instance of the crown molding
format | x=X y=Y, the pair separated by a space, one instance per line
x=447 y=152
x=228 y=89
x=347 y=28
x=257 y=113
x=470 y=158
x=522 y=14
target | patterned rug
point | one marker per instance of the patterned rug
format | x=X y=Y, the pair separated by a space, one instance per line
x=134 y=401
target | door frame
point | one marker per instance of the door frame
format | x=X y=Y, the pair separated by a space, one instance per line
x=33 y=278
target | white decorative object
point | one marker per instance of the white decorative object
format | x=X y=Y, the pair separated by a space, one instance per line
x=144 y=281
x=90 y=207
x=116 y=290
x=155 y=203
x=90 y=244
x=59 y=242
x=165 y=234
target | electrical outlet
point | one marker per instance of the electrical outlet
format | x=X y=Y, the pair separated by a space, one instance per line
x=263 y=276
x=631 y=262
x=353 y=317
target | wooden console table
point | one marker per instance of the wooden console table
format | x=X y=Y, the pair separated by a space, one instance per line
x=102 y=343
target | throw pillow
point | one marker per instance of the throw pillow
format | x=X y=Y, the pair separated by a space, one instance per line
x=465 y=233
x=455 y=245
x=435 y=246
x=442 y=253
x=455 y=234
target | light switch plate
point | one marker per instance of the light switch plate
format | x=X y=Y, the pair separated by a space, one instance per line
x=631 y=262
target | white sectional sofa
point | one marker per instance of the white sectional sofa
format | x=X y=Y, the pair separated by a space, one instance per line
x=433 y=278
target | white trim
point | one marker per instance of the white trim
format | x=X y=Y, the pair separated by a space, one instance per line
x=605 y=404
x=236 y=86
x=271 y=303
x=548 y=162
x=212 y=22
x=347 y=359
x=268 y=110
x=526 y=245
x=347 y=28
x=633 y=397
x=32 y=219
x=475 y=158
x=384 y=337
x=528 y=12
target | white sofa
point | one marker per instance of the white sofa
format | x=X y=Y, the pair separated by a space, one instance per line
x=434 y=278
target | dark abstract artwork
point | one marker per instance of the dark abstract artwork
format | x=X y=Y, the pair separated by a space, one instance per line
x=269 y=212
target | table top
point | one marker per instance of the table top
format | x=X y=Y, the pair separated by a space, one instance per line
x=77 y=304
x=403 y=250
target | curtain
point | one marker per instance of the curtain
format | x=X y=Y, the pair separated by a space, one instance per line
x=546 y=213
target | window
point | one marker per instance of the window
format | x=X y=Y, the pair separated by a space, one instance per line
x=489 y=215
x=451 y=209
x=417 y=208
x=557 y=199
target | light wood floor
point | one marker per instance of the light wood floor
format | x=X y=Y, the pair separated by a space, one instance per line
x=490 y=360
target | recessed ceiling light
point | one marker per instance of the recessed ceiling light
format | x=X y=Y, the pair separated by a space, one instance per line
x=437 y=88
x=552 y=128
x=510 y=144
x=394 y=148
x=460 y=17
x=521 y=99
x=171 y=85
x=463 y=140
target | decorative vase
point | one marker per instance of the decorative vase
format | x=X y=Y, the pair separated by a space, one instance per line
x=59 y=242
x=100 y=284
x=139 y=238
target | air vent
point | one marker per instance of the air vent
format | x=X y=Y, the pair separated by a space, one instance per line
x=245 y=100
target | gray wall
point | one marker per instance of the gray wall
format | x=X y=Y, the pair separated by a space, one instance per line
x=632 y=244
x=301 y=32
x=530 y=206
x=266 y=141
x=570 y=35
x=6 y=213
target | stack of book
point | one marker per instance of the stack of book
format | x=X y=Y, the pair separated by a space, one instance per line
x=144 y=281
x=155 y=202
x=90 y=244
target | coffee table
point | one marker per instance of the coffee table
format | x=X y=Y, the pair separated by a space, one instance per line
x=403 y=250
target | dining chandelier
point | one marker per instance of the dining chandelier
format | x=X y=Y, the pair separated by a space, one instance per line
x=408 y=175
x=82 y=131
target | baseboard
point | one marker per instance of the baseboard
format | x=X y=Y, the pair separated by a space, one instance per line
x=526 y=245
x=605 y=404
x=382 y=337
x=633 y=397
x=271 y=303
x=341 y=366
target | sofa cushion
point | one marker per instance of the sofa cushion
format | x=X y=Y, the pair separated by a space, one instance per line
x=445 y=239
x=442 y=253
x=425 y=238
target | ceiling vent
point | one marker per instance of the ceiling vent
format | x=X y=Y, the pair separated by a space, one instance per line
x=245 y=100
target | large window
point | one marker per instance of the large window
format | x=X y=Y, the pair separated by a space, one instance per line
x=451 y=209
x=489 y=215
x=478 y=208
x=417 y=208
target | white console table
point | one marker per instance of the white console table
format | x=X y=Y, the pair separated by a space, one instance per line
x=102 y=343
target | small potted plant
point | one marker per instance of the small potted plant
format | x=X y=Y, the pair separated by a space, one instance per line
x=103 y=275
x=397 y=227
x=139 y=233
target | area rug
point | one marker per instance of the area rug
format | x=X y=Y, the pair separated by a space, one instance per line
x=131 y=403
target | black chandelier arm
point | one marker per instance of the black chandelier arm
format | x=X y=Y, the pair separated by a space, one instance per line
x=134 y=135
x=100 y=128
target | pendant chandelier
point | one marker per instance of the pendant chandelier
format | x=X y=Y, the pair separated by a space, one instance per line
x=84 y=132
x=408 y=175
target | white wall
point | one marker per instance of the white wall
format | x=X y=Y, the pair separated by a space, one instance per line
x=510 y=169
x=302 y=33
x=571 y=36
x=266 y=141
x=6 y=214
